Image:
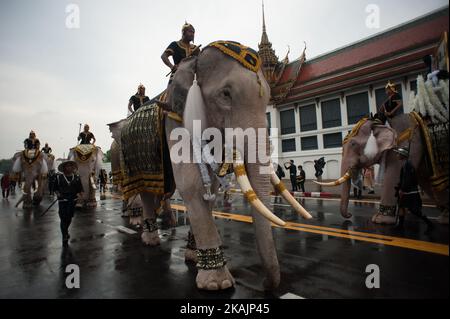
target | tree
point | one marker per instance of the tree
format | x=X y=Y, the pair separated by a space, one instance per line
x=107 y=158
x=6 y=165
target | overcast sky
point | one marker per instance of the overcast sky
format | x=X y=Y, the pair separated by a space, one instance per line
x=53 y=77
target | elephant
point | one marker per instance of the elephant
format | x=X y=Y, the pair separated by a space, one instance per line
x=232 y=93
x=89 y=159
x=32 y=167
x=372 y=143
x=133 y=206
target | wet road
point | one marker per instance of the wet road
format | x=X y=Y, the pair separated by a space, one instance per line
x=322 y=258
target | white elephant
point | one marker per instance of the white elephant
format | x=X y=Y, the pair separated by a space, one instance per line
x=89 y=159
x=31 y=166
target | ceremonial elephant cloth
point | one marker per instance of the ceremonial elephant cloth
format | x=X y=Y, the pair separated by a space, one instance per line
x=436 y=141
x=31 y=156
x=146 y=157
x=84 y=152
x=246 y=56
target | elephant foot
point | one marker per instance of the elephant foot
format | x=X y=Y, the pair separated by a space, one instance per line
x=150 y=238
x=135 y=221
x=346 y=215
x=272 y=282
x=190 y=255
x=27 y=205
x=214 y=279
x=91 y=204
x=150 y=235
x=384 y=219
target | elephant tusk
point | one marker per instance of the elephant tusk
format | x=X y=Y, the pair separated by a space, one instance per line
x=279 y=186
x=249 y=193
x=337 y=182
x=91 y=179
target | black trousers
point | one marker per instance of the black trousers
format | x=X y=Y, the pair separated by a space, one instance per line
x=301 y=186
x=66 y=211
x=293 y=182
x=5 y=192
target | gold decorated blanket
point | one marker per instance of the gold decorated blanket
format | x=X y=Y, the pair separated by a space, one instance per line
x=436 y=138
x=84 y=152
x=146 y=160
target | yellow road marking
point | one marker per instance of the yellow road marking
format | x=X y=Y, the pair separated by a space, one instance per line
x=430 y=247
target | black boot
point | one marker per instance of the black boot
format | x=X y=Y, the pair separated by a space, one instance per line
x=430 y=225
x=401 y=221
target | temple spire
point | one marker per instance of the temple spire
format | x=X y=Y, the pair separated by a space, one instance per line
x=264 y=37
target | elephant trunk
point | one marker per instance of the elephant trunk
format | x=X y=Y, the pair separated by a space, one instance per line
x=263 y=228
x=345 y=190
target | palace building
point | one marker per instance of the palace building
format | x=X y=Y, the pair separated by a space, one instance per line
x=316 y=102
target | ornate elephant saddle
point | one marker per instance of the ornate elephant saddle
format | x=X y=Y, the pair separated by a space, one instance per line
x=246 y=56
x=145 y=154
x=84 y=152
x=31 y=156
x=436 y=138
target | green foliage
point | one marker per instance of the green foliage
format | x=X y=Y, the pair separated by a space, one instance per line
x=107 y=157
x=6 y=165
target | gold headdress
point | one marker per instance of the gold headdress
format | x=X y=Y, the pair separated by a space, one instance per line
x=187 y=26
x=391 y=86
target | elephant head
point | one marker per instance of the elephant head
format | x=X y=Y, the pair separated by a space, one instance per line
x=32 y=167
x=89 y=159
x=363 y=147
x=232 y=96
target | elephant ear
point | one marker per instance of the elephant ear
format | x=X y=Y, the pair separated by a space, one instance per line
x=385 y=136
x=182 y=80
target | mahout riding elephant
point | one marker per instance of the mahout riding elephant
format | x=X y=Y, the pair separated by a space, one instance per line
x=89 y=159
x=32 y=167
x=372 y=143
x=234 y=95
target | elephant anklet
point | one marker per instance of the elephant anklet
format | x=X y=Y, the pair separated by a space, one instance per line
x=211 y=258
x=150 y=225
x=387 y=210
x=136 y=212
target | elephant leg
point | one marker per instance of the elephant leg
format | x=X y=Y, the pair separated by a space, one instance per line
x=441 y=199
x=135 y=211
x=388 y=203
x=190 y=254
x=167 y=215
x=150 y=203
x=213 y=273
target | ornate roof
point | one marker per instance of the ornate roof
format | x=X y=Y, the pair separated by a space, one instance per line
x=274 y=69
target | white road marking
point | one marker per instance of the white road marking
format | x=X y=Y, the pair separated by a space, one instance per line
x=126 y=230
x=290 y=295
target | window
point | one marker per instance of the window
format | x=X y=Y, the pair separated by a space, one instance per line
x=288 y=145
x=309 y=143
x=331 y=113
x=269 y=124
x=332 y=140
x=357 y=107
x=413 y=86
x=381 y=97
x=308 y=120
x=287 y=121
